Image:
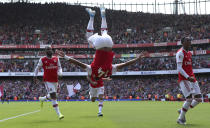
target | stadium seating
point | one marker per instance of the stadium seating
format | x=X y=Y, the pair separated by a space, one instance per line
x=25 y=28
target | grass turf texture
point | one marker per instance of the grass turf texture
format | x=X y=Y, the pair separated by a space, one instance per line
x=123 y=114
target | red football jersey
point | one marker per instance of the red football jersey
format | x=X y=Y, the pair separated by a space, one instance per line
x=50 y=66
x=186 y=59
x=101 y=67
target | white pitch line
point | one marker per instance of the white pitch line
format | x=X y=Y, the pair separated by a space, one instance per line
x=19 y=116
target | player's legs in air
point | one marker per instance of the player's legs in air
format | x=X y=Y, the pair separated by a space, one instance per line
x=52 y=95
x=90 y=28
x=95 y=40
x=103 y=21
x=98 y=42
x=108 y=39
x=192 y=93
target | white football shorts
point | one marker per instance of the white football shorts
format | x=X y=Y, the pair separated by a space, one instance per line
x=188 y=88
x=95 y=92
x=51 y=87
x=100 y=41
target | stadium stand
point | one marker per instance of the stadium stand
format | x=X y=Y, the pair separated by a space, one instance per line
x=23 y=37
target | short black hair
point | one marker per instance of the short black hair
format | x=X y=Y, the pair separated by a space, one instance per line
x=185 y=39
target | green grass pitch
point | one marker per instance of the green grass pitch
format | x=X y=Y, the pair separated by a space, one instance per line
x=123 y=114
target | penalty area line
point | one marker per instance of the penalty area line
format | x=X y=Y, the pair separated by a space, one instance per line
x=19 y=115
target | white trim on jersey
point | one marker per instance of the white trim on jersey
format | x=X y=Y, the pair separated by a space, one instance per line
x=179 y=62
x=89 y=70
x=179 y=56
x=114 y=68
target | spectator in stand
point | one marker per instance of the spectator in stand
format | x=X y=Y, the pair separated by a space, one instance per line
x=57 y=27
x=123 y=87
x=147 y=64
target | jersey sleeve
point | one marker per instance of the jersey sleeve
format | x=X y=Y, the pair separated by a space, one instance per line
x=89 y=70
x=114 y=68
x=179 y=61
x=179 y=57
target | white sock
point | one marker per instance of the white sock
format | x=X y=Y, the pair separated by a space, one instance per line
x=90 y=24
x=184 y=109
x=90 y=28
x=43 y=98
x=100 y=106
x=194 y=103
x=55 y=106
x=48 y=97
x=103 y=25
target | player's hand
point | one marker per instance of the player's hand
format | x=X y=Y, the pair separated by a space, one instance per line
x=191 y=79
x=93 y=83
x=60 y=53
x=142 y=54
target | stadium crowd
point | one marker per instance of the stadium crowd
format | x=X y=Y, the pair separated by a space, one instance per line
x=121 y=87
x=146 y=64
x=59 y=23
x=33 y=23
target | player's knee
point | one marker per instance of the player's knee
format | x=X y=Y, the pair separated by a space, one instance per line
x=53 y=95
x=93 y=99
x=88 y=34
x=104 y=31
x=198 y=98
x=101 y=97
x=189 y=98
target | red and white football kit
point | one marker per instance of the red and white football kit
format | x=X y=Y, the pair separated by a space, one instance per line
x=101 y=67
x=52 y=68
x=184 y=67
